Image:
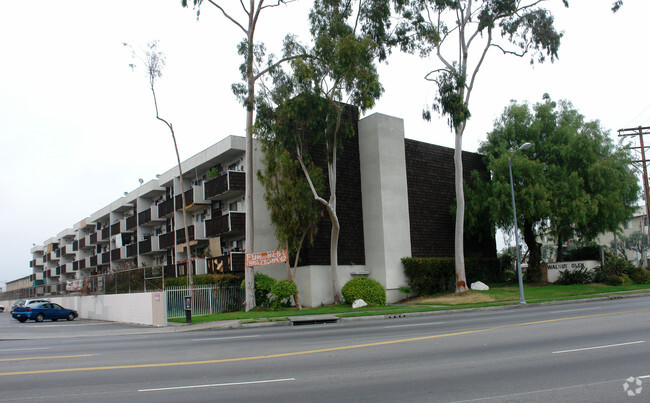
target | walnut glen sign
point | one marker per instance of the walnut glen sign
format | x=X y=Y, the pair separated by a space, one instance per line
x=264 y=258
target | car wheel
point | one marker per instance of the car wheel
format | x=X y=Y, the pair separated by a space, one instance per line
x=22 y=320
x=40 y=317
x=71 y=316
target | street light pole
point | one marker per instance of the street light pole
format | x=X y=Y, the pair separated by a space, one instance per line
x=524 y=146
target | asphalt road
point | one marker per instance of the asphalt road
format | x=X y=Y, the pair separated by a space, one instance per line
x=571 y=352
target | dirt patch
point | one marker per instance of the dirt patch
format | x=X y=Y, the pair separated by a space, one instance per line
x=468 y=297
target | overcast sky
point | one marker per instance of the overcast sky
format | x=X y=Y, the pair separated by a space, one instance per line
x=78 y=127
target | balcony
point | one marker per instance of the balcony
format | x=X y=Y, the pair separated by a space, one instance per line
x=66 y=268
x=75 y=246
x=167 y=240
x=232 y=223
x=106 y=233
x=149 y=245
x=231 y=263
x=106 y=258
x=166 y=208
x=39 y=276
x=230 y=184
x=131 y=222
x=54 y=256
x=118 y=254
x=82 y=264
x=93 y=238
x=92 y=261
x=149 y=215
x=180 y=234
x=194 y=199
x=120 y=227
x=132 y=250
x=87 y=244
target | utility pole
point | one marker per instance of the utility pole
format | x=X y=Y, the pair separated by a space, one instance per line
x=641 y=131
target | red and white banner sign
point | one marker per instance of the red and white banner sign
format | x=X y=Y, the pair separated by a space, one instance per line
x=264 y=258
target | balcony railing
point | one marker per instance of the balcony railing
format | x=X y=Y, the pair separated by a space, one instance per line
x=167 y=240
x=180 y=234
x=82 y=264
x=166 y=208
x=132 y=250
x=231 y=223
x=81 y=243
x=149 y=245
x=225 y=185
x=106 y=258
x=194 y=199
x=75 y=245
x=92 y=261
x=93 y=238
x=106 y=233
x=118 y=254
x=131 y=222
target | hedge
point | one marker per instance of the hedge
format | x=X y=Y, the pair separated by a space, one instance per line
x=428 y=276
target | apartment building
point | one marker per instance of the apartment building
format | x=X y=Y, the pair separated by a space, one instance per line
x=394 y=201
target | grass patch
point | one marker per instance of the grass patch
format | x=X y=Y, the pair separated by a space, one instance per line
x=497 y=295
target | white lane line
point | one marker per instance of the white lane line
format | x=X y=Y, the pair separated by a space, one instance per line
x=226 y=338
x=22 y=349
x=599 y=347
x=214 y=385
x=575 y=310
x=643 y=377
x=416 y=324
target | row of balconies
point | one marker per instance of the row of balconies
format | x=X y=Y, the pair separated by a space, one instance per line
x=230 y=184
x=228 y=224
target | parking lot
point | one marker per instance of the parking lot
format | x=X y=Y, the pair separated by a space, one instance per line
x=11 y=329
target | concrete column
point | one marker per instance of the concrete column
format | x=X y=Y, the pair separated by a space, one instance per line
x=385 y=200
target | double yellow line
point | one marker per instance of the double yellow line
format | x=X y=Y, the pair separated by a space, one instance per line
x=298 y=353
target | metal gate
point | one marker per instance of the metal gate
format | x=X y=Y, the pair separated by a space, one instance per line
x=206 y=300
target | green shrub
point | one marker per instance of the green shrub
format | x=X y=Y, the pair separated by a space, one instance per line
x=283 y=290
x=588 y=252
x=618 y=266
x=367 y=289
x=613 y=279
x=580 y=276
x=509 y=276
x=263 y=288
x=428 y=276
x=600 y=274
x=639 y=275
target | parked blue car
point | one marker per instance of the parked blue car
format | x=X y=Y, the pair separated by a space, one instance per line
x=43 y=310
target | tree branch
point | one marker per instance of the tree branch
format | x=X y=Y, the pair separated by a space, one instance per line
x=234 y=21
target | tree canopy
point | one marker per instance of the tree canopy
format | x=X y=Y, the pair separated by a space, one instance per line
x=574 y=182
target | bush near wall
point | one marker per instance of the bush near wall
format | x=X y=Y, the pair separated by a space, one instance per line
x=205 y=279
x=367 y=289
x=428 y=276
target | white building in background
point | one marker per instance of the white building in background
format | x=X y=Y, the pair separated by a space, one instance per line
x=638 y=223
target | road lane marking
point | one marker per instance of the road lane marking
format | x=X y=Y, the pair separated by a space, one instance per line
x=227 y=338
x=324 y=350
x=47 y=358
x=415 y=324
x=214 y=385
x=598 y=347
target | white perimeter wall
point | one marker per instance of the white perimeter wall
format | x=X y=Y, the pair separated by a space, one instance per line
x=143 y=308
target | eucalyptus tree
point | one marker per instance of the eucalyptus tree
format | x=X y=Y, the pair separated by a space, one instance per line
x=244 y=15
x=457 y=35
x=293 y=211
x=574 y=182
x=154 y=61
x=307 y=106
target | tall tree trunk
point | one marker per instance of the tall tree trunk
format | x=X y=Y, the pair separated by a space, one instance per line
x=334 y=256
x=558 y=256
x=249 y=275
x=292 y=278
x=533 y=273
x=459 y=254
